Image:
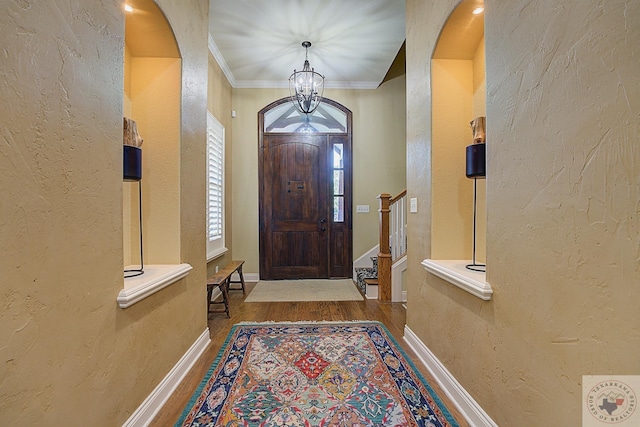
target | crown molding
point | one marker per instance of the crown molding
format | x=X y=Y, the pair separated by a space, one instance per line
x=284 y=84
x=221 y=62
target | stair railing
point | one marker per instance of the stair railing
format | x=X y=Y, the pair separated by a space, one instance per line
x=398 y=226
x=393 y=231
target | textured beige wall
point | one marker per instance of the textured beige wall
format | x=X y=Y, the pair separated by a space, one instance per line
x=247 y=103
x=152 y=99
x=480 y=109
x=452 y=191
x=126 y=101
x=479 y=81
x=69 y=353
x=130 y=223
x=378 y=147
x=562 y=198
x=379 y=152
x=155 y=106
x=219 y=104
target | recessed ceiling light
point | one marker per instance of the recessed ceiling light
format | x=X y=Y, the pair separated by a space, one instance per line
x=128 y=8
x=478 y=10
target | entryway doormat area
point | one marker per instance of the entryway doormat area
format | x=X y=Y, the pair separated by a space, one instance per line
x=304 y=290
x=313 y=374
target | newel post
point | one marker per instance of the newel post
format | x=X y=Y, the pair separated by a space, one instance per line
x=384 y=255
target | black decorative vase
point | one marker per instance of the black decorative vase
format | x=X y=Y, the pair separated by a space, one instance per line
x=476 y=160
x=132 y=163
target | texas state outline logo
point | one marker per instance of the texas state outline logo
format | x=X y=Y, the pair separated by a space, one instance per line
x=610 y=400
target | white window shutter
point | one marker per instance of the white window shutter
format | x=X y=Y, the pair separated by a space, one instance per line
x=215 y=187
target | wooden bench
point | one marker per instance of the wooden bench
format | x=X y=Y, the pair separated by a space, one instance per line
x=222 y=279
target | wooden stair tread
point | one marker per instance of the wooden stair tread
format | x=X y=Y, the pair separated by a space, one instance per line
x=371 y=281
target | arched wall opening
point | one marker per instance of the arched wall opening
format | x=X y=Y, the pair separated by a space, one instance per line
x=459 y=96
x=152 y=98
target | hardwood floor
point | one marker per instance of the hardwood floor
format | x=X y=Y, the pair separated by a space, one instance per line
x=392 y=315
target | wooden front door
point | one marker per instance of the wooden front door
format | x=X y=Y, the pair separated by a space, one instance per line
x=305 y=197
x=295 y=207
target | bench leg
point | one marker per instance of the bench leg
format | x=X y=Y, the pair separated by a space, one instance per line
x=241 y=281
x=225 y=298
x=224 y=287
x=209 y=292
x=241 y=278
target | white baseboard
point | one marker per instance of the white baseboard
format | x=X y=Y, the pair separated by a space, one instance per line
x=145 y=413
x=371 y=291
x=471 y=411
x=397 y=268
x=251 y=277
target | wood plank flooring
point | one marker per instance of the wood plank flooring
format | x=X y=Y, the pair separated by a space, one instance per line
x=392 y=315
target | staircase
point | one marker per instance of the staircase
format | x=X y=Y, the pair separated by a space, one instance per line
x=367 y=277
x=383 y=280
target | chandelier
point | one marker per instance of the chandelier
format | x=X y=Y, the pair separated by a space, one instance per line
x=306 y=86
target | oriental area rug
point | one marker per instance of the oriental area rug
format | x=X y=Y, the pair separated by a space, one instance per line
x=313 y=374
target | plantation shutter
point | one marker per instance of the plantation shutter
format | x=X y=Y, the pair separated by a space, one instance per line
x=215 y=186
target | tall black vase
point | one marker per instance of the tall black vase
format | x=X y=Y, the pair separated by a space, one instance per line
x=132 y=172
x=477 y=160
x=132 y=163
x=476 y=168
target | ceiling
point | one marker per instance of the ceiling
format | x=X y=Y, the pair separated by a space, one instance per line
x=258 y=43
x=259 y=46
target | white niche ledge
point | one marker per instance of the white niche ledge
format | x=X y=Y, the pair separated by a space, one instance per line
x=455 y=272
x=155 y=278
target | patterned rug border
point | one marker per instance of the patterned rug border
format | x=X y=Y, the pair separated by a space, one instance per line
x=238 y=325
x=308 y=322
